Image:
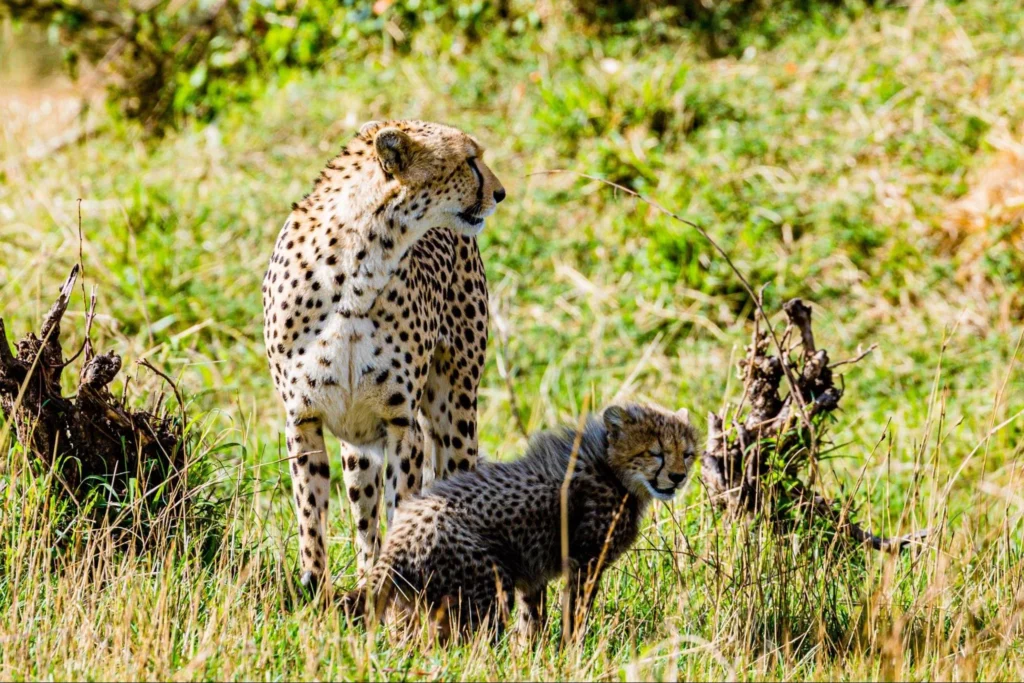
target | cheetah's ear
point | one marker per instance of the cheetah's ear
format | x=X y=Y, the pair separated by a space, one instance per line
x=616 y=418
x=684 y=415
x=394 y=149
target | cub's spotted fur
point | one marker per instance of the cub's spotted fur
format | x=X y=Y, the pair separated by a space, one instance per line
x=375 y=318
x=462 y=547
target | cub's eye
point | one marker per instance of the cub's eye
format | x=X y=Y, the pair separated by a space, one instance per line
x=657 y=454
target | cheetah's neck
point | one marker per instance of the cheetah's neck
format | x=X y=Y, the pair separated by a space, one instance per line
x=358 y=235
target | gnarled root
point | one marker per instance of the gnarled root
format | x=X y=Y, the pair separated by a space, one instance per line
x=88 y=436
x=755 y=466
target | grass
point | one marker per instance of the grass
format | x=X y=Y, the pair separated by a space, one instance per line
x=830 y=167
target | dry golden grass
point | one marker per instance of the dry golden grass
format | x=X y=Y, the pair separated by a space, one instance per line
x=989 y=214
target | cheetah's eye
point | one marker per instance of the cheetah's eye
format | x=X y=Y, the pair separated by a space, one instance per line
x=471 y=162
x=657 y=455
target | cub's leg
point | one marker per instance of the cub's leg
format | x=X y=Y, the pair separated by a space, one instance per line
x=482 y=599
x=311 y=478
x=583 y=584
x=531 y=606
x=441 y=621
x=492 y=600
x=361 y=466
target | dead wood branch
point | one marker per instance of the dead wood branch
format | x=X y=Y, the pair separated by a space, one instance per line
x=756 y=465
x=90 y=437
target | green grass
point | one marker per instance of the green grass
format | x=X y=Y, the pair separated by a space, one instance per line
x=826 y=167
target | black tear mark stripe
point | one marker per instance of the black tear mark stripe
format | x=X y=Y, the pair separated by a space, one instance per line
x=663 y=460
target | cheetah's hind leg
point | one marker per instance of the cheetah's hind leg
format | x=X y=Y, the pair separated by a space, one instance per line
x=450 y=405
x=430 y=469
x=403 y=476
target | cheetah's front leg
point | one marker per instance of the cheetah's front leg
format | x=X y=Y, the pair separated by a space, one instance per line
x=362 y=466
x=451 y=404
x=311 y=477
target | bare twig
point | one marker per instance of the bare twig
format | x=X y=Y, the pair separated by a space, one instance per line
x=564 y=520
x=174 y=386
x=51 y=323
x=800 y=316
x=856 y=359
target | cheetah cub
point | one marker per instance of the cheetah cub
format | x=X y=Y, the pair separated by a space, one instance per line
x=463 y=546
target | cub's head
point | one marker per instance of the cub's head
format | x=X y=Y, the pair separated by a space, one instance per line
x=442 y=170
x=650 y=448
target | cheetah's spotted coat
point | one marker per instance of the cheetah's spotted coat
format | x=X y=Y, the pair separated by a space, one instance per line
x=375 y=321
x=465 y=544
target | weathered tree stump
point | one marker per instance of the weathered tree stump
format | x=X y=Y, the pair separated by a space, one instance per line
x=758 y=465
x=90 y=437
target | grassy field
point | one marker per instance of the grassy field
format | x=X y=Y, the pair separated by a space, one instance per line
x=871 y=164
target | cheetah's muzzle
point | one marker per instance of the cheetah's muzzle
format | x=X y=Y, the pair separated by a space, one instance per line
x=475 y=221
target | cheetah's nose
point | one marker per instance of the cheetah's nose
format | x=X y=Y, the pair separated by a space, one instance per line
x=676 y=478
x=499 y=195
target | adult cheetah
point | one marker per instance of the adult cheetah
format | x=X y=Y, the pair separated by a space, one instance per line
x=375 y=319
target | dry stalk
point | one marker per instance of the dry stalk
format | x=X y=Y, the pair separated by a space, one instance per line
x=564 y=524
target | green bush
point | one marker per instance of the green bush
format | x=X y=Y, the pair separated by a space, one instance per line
x=723 y=26
x=171 y=59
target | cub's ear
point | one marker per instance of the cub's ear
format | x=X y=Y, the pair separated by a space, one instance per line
x=616 y=418
x=684 y=415
x=394 y=150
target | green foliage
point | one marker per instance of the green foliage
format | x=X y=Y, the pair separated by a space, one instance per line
x=174 y=61
x=723 y=26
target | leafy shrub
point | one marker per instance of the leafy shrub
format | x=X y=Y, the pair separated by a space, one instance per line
x=725 y=26
x=169 y=59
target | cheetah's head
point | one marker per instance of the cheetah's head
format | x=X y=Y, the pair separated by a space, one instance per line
x=441 y=168
x=650 y=448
